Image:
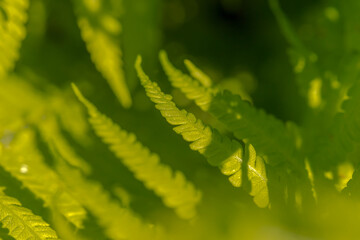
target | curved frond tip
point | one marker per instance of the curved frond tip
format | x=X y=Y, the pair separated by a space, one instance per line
x=198 y=90
x=198 y=74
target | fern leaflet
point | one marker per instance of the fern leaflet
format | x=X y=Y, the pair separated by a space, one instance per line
x=21 y=222
x=218 y=150
x=174 y=189
x=200 y=93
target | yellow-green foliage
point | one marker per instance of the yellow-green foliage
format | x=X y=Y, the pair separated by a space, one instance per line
x=12 y=31
x=219 y=150
x=172 y=187
x=288 y=180
x=101 y=31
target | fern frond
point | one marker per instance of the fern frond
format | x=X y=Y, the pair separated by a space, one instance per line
x=12 y=32
x=172 y=187
x=103 y=42
x=21 y=222
x=23 y=161
x=200 y=93
x=269 y=136
x=218 y=150
x=118 y=222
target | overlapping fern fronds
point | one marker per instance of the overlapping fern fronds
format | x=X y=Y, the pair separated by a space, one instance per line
x=237 y=115
x=218 y=150
x=172 y=187
x=198 y=91
x=268 y=135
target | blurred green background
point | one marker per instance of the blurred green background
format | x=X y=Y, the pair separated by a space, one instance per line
x=236 y=40
x=227 y=39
